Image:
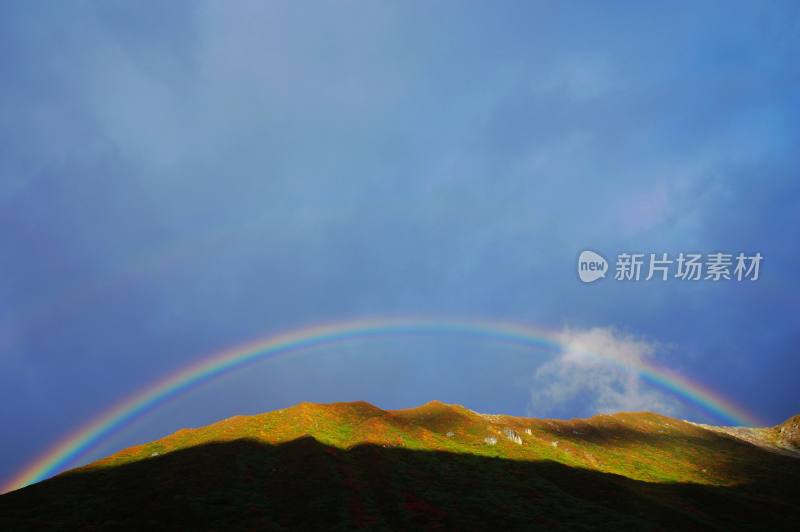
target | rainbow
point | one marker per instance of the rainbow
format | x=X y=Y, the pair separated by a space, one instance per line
x=79 y=442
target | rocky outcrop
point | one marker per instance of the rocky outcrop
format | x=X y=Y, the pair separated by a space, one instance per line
x=512 y=435
x=789 y=433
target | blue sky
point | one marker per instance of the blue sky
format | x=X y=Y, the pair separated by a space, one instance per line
x=176 y=179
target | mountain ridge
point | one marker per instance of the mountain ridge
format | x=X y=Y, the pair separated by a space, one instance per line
x=430 y=466
x=575 y=442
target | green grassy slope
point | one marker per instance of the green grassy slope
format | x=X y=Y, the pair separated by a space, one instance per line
x=438 y=466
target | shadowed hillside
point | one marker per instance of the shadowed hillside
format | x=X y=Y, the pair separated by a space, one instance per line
x=354 y=466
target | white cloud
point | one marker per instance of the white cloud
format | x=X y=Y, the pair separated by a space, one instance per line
x=597 y=371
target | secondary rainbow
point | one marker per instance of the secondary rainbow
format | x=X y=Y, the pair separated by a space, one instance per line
x=80 y=441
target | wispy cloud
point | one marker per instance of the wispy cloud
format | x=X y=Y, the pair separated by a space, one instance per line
x=596 y=371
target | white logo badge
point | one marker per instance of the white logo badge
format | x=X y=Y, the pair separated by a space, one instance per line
x=591 y=266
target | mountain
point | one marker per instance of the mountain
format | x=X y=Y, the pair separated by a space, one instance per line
x=438 y=466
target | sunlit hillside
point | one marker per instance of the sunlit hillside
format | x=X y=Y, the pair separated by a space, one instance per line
x=356 y=466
